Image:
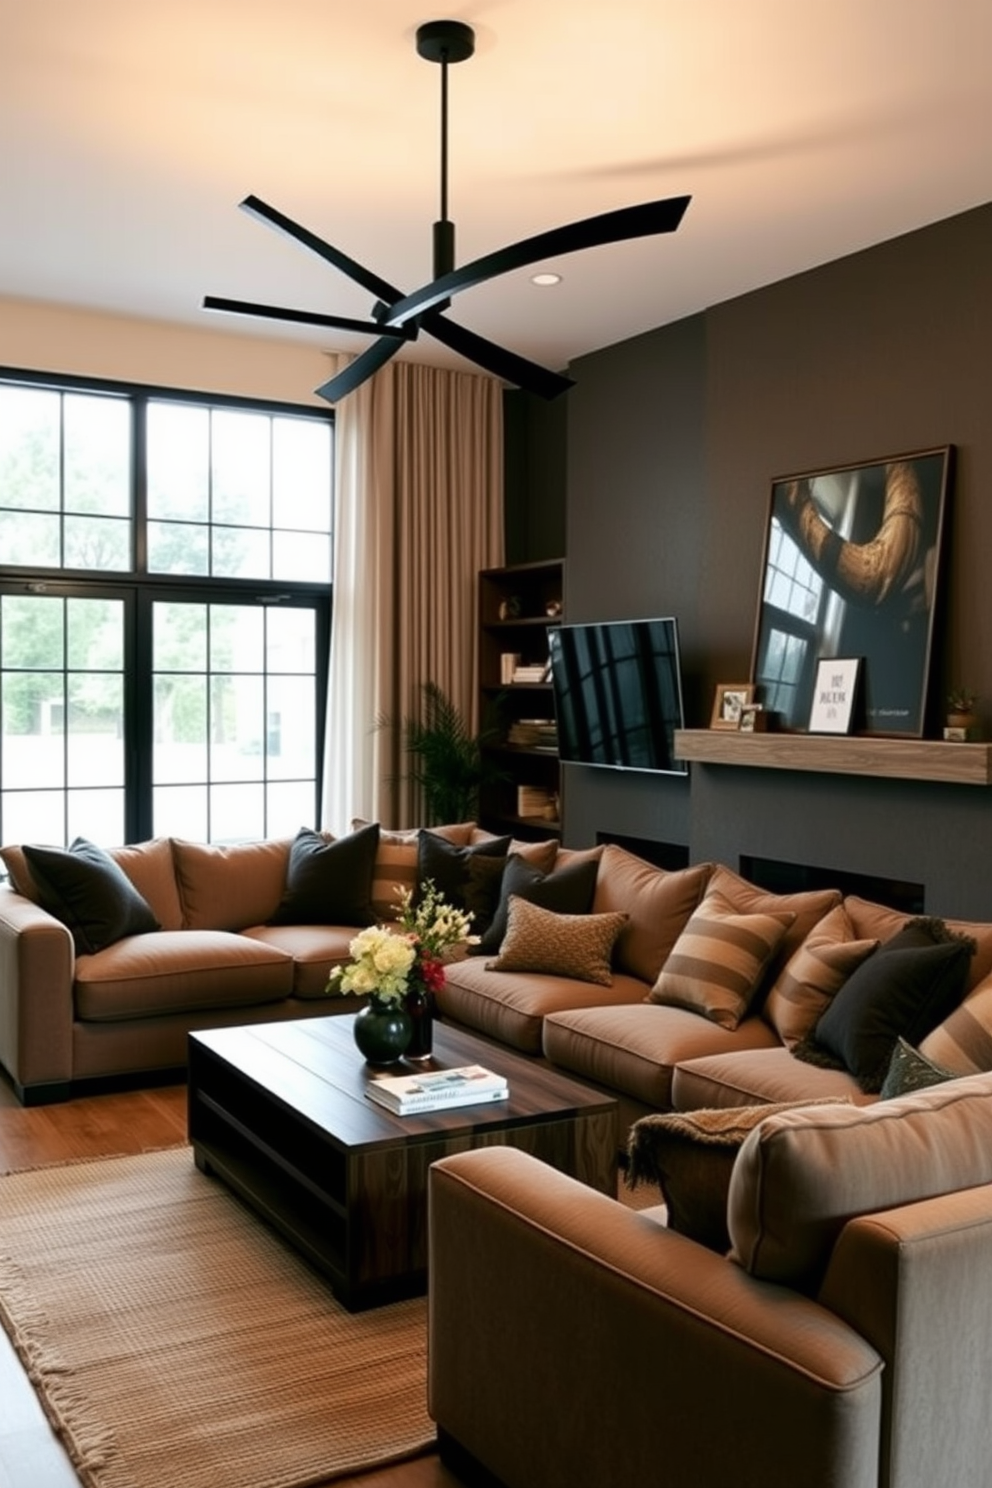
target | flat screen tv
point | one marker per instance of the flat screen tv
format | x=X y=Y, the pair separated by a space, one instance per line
x=618 y=694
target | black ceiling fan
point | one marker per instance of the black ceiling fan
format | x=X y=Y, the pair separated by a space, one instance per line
x=398 y=318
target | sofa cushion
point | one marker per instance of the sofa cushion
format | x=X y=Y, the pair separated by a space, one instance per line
x=329 y=880
x=179 y=970
x=809 y=906
x=511 y=1007
x=690 y=1156
x=315 y=949
x=756 y=1075
x=910 y=1070
x=636 y=1049
x=541 y=855
x=232 y=886
x=568 y=890
x=878 y=922
x=717 y=963
x=657 y=903
x=569 y=945
x=963 y=1042
x=150 y=868
x=92 y=896
x=818 y=969
x=800 y=1176
x=906 y=987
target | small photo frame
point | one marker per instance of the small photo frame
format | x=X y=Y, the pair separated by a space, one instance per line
x=753 y=719
x=730 y=698
x=834 y=695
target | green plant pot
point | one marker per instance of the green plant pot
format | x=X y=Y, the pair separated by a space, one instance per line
x=382 y=1032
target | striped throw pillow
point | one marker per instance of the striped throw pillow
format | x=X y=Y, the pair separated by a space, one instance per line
x=818 y=969
x=963 y=1042
x=716 y=965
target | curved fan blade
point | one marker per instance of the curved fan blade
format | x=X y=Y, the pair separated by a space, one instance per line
x=381 y=288
x=307 y=317
x=358 y=371
x=591 y=232
x=530 y=376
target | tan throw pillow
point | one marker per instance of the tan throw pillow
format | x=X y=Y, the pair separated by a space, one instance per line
x=717 y=962
x=657 y=901
x=819 y=968
x=576 y=946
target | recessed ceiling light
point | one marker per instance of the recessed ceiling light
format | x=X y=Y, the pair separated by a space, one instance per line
x=544 y=279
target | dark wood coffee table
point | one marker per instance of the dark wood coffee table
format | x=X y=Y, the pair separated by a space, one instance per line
x=278 y=1111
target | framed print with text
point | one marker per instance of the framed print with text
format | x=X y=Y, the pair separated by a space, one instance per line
x=834 y=695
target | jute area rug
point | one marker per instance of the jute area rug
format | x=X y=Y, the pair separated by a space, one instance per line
x=174 y=1339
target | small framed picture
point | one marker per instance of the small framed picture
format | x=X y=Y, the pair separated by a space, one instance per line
x=834 y=695
x=754 y=719
x=730 y=698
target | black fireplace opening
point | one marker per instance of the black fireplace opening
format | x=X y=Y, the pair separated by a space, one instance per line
x=790 y=878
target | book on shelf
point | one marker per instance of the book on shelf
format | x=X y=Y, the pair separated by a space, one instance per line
x=508 y=663
x=534 y=800
x=538 y=672
x=533 y=733
x=437 y=1090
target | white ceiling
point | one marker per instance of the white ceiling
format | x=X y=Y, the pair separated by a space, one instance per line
x=803 y=129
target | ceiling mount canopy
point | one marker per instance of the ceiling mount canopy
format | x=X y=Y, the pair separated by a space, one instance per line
x=397 y=318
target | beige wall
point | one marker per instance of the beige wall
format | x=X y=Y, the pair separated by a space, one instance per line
x=58 y=339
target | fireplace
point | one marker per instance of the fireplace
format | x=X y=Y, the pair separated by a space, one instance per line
x=789 y=878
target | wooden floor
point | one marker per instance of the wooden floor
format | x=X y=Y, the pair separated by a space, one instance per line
x=107 y=1126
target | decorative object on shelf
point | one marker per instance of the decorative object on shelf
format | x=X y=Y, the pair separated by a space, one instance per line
x=754 y=719
x=509 y=608
x=852 y=563
x=962 y=722
x=508 y=663
x=834 y=695
x=728 y=701
x=397 y=319
x=433 y=928
x=553 y=609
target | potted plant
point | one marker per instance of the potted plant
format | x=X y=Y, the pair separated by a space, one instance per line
x=961 y=703
x=448 y=763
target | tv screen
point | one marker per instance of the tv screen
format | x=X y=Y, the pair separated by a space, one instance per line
x=618 y=694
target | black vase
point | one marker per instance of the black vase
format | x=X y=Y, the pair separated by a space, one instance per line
x=419 y=1004
x=382 y=1031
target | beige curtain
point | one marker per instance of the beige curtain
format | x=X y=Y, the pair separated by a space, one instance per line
x=419 y=510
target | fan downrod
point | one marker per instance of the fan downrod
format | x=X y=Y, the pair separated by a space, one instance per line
x=445 y=41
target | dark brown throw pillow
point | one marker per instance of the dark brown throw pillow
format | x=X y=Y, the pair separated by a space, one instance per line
x=450 y=869
x=909 y=985
x=567 y=890
x=84 y=888
x=329 y=880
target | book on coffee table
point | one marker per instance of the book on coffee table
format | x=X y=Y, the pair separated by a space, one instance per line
x=437 y=1090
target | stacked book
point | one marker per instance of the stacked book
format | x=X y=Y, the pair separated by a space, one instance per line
x=437 y=1090
x=534 y=733
x=534 y=800
x=530 y=672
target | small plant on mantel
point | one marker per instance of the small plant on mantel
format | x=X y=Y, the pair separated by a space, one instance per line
x=961 y=703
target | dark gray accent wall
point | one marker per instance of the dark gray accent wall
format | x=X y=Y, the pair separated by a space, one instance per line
x=673 y=441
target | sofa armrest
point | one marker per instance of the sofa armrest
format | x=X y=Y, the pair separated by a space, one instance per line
x=37 y=965
x=573 y=1340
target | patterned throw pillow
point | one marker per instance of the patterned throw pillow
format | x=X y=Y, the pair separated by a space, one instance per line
x=539 y=940
x=717 y=962
x=820 y=967
x=910 y=1070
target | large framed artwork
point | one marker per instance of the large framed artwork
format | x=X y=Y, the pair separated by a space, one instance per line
x=851 y=568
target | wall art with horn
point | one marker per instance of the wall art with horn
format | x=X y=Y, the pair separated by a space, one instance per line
x=852 y=568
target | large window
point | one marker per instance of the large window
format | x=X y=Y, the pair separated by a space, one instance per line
x=165 y=566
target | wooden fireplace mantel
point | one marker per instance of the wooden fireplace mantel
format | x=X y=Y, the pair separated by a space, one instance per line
x=899 y=759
